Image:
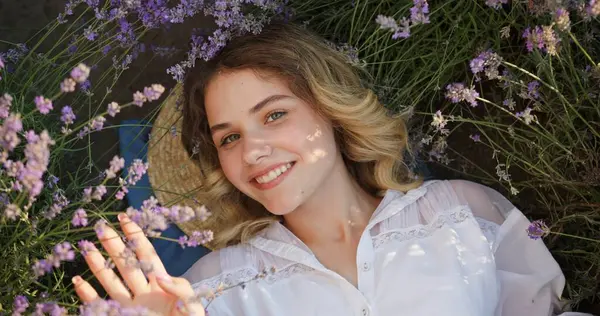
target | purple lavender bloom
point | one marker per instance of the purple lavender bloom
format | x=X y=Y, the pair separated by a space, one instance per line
x=139 y=98
x=419 y=13
x=67 y=117
x=90 y=34
x=1 y=63
x=533 y=90
x=153 y=92
x=105 y=50
x=475 y=137
x=537 y=229
x=64 y=251
x=41 y=267
x=68 y=85
x=80 y=73
x=99 y=227
x=98 y=123
x=80 y=218
x=136 y=170
x=5 y=104
x=20 y=305
x=43 y=105
x=86 y=85
x=457 y=92
x=85 y=246
x=9 y=139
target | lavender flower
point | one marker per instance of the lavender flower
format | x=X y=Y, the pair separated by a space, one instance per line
x=457 y=92
x=90 y=34
x=67 y=117
x=64 y=251
x=43 y=105
x=389 y=23
x=537 y=229
x=61 y=252
x=533 y=38
x=527 y=116
x=509 y=103
x=85 y=246
x=487 y=62
x=550 y=40
x=496 y=4
x=562 y=20
x=12 y=211
x=20 y=305
x=99 y=192
x=68 y=85
x=419 y=13
x=533 y=90
x=439 y=122
x=5 y=104
x=79 y=218
x=139 y=98
x=1 y=63
x=113 y=109
x=50 y=308
x=475 y=137
x=110 y=307
x=116 y=164
x=99 y=227
x=9 y=139
x=136 y=170
x=80 y=73
x=153 y=92
x=87 y=194
x=197 y=238
x=97 y=123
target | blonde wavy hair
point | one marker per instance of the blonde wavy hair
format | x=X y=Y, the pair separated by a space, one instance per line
x=370 y=138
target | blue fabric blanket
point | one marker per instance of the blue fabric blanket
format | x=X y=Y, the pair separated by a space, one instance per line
x=133 y=139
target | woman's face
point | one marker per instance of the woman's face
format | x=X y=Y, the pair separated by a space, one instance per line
x=272 y=145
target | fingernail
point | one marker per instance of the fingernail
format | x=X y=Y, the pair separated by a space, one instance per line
x=121 y=217
x=165 y=278
x=76 y=279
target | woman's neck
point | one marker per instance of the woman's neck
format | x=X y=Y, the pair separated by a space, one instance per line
x=338 y=211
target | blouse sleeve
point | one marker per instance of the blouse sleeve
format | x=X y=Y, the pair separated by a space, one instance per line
x=530 y=279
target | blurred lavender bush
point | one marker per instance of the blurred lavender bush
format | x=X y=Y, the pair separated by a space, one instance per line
x=54 y=94
x=502 y=92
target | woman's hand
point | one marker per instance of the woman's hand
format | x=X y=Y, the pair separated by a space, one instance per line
x=159 y=293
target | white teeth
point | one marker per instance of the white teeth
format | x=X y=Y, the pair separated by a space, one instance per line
x=273 y=174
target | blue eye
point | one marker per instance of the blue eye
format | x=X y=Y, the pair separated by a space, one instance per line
x=275 y=115
x=229 y=139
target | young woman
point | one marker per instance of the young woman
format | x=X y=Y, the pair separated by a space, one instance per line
x=302 y=166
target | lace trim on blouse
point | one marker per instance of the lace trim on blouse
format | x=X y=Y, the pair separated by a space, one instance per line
x=455 y=216
x=236 y=278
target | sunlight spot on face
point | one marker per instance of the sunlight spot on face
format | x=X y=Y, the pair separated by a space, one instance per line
x=317 y=133
x=416 y=250
x=316 y=155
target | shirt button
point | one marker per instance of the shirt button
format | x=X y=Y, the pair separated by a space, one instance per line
x=366 y=266
x=365 y=312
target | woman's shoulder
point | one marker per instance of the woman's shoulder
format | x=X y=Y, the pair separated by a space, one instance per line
x=225 y=267
x=437 y=196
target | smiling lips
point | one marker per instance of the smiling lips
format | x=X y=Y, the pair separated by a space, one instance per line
x=273 y=177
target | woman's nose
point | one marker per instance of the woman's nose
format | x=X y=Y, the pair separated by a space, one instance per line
x=256 y=149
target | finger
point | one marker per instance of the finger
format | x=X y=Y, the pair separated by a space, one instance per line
x=84 y=290
x=125 y=260
x=178 y=287
x=187 y=304
x=107 y=277
x=143 y=248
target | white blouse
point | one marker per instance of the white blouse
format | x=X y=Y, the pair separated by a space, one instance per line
x=445 y=248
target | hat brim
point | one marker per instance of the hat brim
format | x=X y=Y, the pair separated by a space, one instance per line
x=173 y=175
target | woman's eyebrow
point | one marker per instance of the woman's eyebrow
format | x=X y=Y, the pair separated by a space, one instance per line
x=256 y=108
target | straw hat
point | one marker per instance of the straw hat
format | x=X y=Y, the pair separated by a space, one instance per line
x=173 y=175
